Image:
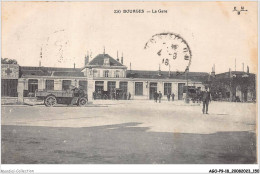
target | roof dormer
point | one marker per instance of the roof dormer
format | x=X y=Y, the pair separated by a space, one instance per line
x=106 y=62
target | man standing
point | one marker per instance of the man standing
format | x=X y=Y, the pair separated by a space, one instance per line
x=173 y=96
x=168 y=96
x=160 y=96
x=206 y=98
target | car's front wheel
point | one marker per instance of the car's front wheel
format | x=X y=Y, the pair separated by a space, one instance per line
x=83 y=101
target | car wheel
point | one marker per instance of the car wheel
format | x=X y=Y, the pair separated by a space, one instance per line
x=83 y=101
x=50 y=101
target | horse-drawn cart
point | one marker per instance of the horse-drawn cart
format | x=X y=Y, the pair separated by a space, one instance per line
x=68 y=97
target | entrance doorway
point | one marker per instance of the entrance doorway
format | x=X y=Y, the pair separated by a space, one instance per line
x=152 y=90
x=32 y=87
x=123 y=88
x=180 y=90
x=111 y=86
x=99 y=88
x=9 y=87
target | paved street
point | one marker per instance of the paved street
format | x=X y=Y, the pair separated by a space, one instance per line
x=130 y=132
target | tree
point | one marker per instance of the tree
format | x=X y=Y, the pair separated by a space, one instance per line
x=8 y=61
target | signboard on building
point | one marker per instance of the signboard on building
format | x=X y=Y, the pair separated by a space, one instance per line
x=9 y=71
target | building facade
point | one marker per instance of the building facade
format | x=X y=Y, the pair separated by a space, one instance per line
x=236 y=86
x=102 y=78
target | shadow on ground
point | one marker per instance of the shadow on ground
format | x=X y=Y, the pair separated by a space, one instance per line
x=123 y=144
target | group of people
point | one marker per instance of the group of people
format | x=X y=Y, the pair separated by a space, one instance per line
x=169 y=96
x=113 y=95
x=158 y=96
x=77 y=92
x=116 y=95
x=205 y=97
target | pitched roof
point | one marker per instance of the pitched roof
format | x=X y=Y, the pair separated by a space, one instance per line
x=50 y=71
x=198 y=76
x=99 y=61
x=69 y=74
x=42 y=68
x=34 y=73
x=237 y=73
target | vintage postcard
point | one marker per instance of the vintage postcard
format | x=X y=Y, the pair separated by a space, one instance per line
x=129 y=83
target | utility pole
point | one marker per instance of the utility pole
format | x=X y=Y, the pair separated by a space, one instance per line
x=169 y=70
x=235 y=64
x=230 y=85
x=187 y=90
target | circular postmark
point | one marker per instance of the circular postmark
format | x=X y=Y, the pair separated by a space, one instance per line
x=172 y=50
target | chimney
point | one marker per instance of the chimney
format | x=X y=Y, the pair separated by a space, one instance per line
x=213 y=71
x=243 y=67
x=159 y=71
x=86 y=59
x=117 y=58
x=169 y=74
x=74 y=65
x=122 y=59
x=40 y=57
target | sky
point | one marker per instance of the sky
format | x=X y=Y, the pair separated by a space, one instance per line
x=66 y=31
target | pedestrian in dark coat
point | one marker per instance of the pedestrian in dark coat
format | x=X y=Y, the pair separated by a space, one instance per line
x=173 y=96
x=160 y=96
x=125 y=96
x=206 y=98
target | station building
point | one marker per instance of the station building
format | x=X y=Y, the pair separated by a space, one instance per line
x=99 y=77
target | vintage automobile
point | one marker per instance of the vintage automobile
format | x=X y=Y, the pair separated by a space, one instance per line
x=51 y=98
x=194 y=94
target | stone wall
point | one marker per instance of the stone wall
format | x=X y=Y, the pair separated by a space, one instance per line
x=8 y=100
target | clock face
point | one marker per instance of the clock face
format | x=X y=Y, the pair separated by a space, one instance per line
x=171 y=49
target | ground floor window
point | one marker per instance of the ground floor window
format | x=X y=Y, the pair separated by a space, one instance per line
x=9 y=87
x=49 y=85
x=167 y=88
x=99 y=89
x=99 y=86
x=32 y=85
x=123 y=87
x=66 y=84
x=138 y=88
x=83 y=84
x=111 y=86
